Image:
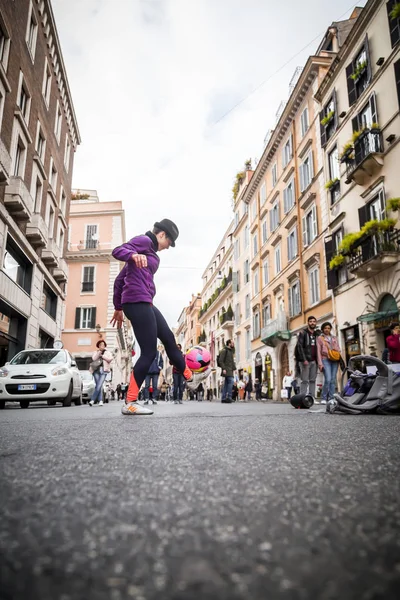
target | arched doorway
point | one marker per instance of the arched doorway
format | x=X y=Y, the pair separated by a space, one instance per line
x=283 y=364
x=258 y=367
x=389 y=312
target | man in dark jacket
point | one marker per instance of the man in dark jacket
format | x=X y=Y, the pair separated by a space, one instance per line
x=178 y=382
x=152 y=378
x=228 y=367
x=306 y=356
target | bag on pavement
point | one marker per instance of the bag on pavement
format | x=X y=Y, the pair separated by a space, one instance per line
x=284 y=394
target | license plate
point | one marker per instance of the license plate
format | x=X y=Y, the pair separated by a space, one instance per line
x=27 y=387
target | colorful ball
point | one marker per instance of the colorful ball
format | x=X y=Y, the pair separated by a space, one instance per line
x=198 y=359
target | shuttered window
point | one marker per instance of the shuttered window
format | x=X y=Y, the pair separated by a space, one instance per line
x=358 y=73
x=397 y=76
x=394 y=24
x=328 y=119
x=88 y=279
x=85 y=318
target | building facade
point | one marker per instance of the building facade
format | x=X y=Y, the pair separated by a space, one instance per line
x=38 y=139
x=362 y=157
x=216 y=313
x=95 y=228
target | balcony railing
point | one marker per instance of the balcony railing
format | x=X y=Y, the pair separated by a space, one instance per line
x=91 y=246
x=276 y=330
x=367 y=160
x=225 y=284
x=375 y=253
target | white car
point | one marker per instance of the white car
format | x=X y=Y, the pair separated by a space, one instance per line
x=37 y=375
x=88 y=385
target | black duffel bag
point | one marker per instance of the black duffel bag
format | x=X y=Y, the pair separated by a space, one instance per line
x=302 y=401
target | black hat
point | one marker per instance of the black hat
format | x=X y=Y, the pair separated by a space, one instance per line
x=170 y=229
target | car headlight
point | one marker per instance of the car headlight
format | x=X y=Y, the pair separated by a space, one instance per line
x=59 y=371
x=4 y=372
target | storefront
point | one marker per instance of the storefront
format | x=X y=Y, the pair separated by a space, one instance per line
x=12 y=333
x=352 y=344
x=378 y=323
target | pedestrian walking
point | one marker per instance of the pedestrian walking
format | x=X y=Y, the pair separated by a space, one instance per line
x=393 y=343
x=226 y=360
x=200 y=392
x=151 y=379
x=257 y=389
x=249 y=388
x=134 y=292
x=287 y=383
x=124 y=390
x=328 y=360
x=178 y=380
x=306 y=356
x=100 y=366
x=118 y=391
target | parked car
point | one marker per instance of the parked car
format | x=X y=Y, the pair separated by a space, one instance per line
x=37 y=375
x=88 y=385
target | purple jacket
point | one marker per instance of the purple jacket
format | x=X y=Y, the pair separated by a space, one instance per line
x=134 y=284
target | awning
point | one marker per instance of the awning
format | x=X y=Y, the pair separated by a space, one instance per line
x=377 y=316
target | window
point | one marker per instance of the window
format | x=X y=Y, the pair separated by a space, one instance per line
x=46 y=87
x=237 y=314
x=278 y=266
x=328 y=120
x=304 y=124
x=246 y=272
x=358 y=73
x=306 y=172
x=255 y=244
x=294 y=299
x=17 y=266
x=334 y=175
x=236 y=250
x=287 y=152
x=292 y=244
x=247 y=306
x=342 y=271
x=61 y=238
x=31 y=32
x=49 y=301
x=288 y=197
x=53 y=175
x=50 y=217
x=253 y=209
x=248 y=344
x=256 y=282
x=394 y=24
x=40 y=145
x=274 y=174
x=246 y=236
x=91 y=238
x=2 y=101
x=4 y=47
x=265 y=272
x=85 y=318
x=263 y=194
x=237 y=348
x=67 y=153
x=397 y=77
x=266 y=314
x=57 y=126
x=24 y=99
x=264 y=231
x=310 y=228
x=274 y=217
x=235 y=281
x=38 y=194
x=236 y=219
x=256 y=325
x=313 y=278
x=19 y=159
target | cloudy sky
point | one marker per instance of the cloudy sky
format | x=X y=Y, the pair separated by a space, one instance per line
x=152 y=82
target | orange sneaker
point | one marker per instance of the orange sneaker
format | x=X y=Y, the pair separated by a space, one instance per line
x=134 y=408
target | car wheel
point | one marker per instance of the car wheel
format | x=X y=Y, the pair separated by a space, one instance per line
x=84 y=400
x=68 y=398
x=78 y=400
x=24 y=403
x=2 y=404
x=51 y=402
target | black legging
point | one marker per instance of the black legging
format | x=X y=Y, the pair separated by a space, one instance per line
x=148 y=324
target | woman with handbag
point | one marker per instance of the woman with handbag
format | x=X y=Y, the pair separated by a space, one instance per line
x=100 y=367
x=328 y=352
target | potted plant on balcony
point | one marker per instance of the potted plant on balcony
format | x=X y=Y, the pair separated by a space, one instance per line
x=359 y=70
x=395 y=12
x=336 y=262
x=347 y=152
x=393 y=204
x=331 y=183
x=328 y=118
x=375 y=128
x=247 y=164
x=238 y=182
x=229 y=313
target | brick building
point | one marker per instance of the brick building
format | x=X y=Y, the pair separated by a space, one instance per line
x=38 y=139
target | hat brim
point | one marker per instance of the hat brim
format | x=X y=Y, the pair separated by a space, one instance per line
x=159 y=226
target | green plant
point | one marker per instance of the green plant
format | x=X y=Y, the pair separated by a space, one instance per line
x=331 y=183
x=348 y=242
x=238 y=182
x=369 y=227
x=359 y=70
x=386 y=224
x=395 y=12
x=328 y=118
x=247 y=164
x=393 y=204
x=356 y=135
x=336 y=261
x=79 y=196
x=348 y=146
x=229 y=312
x=375 y=126
x=223 y=283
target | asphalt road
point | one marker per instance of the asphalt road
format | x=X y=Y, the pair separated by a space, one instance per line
x=200 y=501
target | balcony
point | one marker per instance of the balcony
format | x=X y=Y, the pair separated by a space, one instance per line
x=89 y=248
x=37 y=232
x=5 y=164
x=51 y=254
x=375 y=253
x=60 y=273
x=220 y=292
x=368 y=157
x=18 y=200
x=226 y=320
x=276 y=330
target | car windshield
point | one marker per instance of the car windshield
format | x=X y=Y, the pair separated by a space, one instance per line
x=86 y=375
x=40 y=357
